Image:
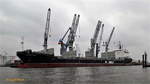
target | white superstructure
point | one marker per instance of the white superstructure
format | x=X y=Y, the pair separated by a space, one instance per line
x=116 y=54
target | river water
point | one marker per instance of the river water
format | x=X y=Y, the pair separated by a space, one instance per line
x=76 y=75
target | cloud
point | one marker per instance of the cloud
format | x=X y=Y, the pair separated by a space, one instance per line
x=28 y=17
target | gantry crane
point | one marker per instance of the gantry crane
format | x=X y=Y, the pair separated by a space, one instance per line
x=47 y=30
x=71 y=36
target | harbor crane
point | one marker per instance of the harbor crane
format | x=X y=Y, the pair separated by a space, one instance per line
x=94 y=39
x=90 y=53
x=98 y=45
x=108 y=42
x=71 y=36
x=47 y=30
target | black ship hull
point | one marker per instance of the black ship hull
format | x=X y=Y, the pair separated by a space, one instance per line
x=35 y=57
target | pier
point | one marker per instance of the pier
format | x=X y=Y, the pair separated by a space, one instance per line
x=144 y=61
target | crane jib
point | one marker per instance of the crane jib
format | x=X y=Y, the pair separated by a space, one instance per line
x=47 y=29
x=71 y=35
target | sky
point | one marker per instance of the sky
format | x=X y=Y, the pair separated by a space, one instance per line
x=27 y=18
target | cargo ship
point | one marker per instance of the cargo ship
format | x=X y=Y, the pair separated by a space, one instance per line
x=47 y=59
x=39 y=60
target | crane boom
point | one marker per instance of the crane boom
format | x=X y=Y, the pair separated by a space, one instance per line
x=107 y=43
x=47 y=29
x=98 y=45
x=63 y=45
x=66 y=34
x=101 y=37
x=94 y=39
x=71 y=36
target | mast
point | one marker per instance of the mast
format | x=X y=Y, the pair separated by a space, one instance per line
x=47 y=30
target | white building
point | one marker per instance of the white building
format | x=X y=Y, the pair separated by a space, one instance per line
x=6 y=59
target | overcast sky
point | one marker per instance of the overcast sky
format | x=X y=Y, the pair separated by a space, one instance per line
x=28 y=17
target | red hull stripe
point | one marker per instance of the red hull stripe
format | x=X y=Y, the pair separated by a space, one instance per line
x=50 y=65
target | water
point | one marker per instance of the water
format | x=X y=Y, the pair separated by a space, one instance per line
x=76 y=75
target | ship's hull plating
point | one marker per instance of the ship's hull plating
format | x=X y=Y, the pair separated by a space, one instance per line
x=53 y=65
x=38 y=60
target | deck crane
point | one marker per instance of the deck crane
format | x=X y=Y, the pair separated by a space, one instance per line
x=98 y=45
x=107 y=43
x=47 y=30
x=90 y=52
x=63 y=45
x=71 y=36
x=94 y=39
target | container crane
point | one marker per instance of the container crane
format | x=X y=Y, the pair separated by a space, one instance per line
x=71 y=36
x=47 y=30
x=98 y=45
x=107 y=43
